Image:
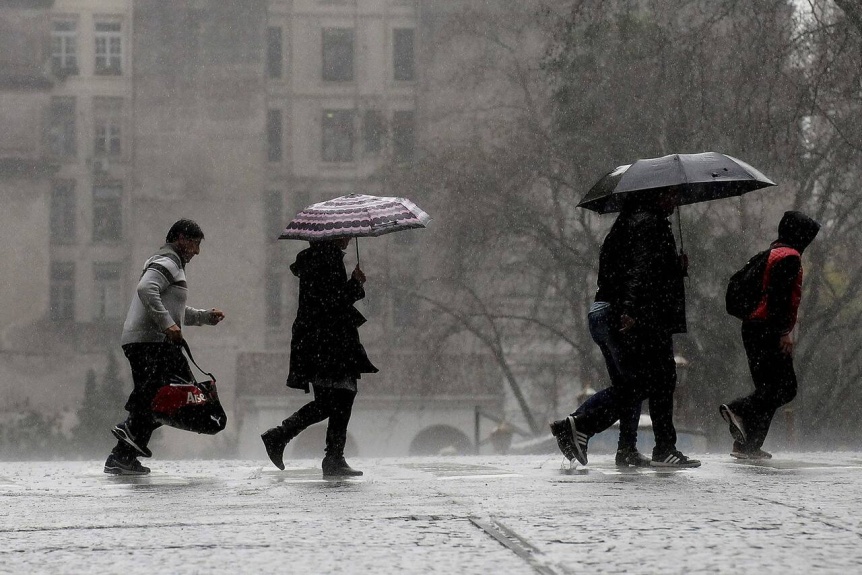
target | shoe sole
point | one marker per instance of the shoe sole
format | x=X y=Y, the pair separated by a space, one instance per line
x=121 y=434
x=751 y=456
x=580 y=453
x=736 y=429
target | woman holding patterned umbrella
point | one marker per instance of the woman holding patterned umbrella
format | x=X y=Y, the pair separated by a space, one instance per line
x=325 y=352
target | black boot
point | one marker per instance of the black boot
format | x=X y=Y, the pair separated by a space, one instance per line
x=334 y=464
x=275 y=440
x=337 y=467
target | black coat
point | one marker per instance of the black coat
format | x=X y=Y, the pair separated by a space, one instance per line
x=640 y=273
x=325 y=340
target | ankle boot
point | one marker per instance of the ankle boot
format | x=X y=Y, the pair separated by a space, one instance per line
x=337 y=467
x=275 y=440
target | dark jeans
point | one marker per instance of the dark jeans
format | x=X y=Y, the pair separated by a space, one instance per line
x=774 y=382
x=641 y=366
x=333 y=403
x=621 y=398
x=153 y=365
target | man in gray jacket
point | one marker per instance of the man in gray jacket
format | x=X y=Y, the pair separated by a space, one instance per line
x=152 y=334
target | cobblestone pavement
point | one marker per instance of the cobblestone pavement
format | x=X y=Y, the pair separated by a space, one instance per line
x=798 y=513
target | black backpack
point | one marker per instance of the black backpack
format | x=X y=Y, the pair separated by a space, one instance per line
x=745 y=288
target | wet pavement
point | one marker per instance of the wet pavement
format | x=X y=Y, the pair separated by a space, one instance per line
x=797 y=513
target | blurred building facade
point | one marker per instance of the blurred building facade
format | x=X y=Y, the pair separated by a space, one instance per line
x=122 y=116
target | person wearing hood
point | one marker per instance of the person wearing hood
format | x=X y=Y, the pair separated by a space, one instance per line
x=767 y=335
x=325 y=352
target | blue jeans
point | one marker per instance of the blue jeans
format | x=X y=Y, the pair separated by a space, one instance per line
x=621 y=400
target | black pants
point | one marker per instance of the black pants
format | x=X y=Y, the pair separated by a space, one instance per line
x=774 y=382
x=647 y=371
x=153 y=365
x=332 y=403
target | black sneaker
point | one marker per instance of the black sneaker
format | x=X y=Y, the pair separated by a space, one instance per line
x=759 y=454
x=338 y=467
x=734 y=423
x=631 y=458
x=739 y=451
x=672 y=459
x=121 y=432
x=116 y=466
x=572 y=443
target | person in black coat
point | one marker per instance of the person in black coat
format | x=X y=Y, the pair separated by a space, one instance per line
x=768 y=340
x=639 y=305
x=326 y=354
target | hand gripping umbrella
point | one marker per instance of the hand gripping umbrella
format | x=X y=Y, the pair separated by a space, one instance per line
x=355 y=216
x=698 y=178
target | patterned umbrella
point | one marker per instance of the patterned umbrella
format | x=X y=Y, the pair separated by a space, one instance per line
x=355 y=215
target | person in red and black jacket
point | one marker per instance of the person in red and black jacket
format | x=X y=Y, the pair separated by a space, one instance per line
x=767 y=335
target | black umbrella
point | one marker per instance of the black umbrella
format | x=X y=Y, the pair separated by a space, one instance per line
x=697 y=178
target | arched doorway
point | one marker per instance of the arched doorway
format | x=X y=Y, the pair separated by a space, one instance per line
x=440 y=439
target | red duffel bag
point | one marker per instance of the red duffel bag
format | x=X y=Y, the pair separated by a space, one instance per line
x=190 y=405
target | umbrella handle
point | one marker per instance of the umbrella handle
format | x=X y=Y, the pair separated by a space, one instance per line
x=679 y=227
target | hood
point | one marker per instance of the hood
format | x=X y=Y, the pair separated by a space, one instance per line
x=311 y=256
x=797 y=230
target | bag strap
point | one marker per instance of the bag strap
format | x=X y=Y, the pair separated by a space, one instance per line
x=185 y=345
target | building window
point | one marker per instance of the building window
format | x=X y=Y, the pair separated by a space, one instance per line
x=274 y=52
x=62 y=291
x=373 y=130
x=61 y=127
x=337 y=135
x=403 y=135
x=109 y=48
x=108 y=291
x=403 y=60
x=338 y=54
x=274 y=135
x=107 y=214
x=63 y=212
x=274 y=293
x=107 y=126
x=64 y=48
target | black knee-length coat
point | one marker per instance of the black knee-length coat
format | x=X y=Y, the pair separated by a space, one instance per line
x=325 y=342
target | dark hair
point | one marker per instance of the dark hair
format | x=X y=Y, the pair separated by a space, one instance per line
x=188 y=228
